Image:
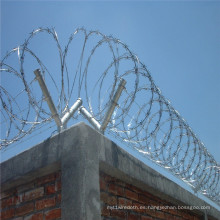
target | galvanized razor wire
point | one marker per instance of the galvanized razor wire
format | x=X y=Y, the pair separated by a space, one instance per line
x=91 y=67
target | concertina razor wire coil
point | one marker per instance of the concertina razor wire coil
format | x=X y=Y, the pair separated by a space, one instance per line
x=143 y=118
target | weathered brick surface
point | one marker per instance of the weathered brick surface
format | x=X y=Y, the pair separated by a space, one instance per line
x=124 y=201
x=131 y=195
x=146 y=218
x=108 y=199
x=9 y=201
x=133 y=216
x=24 y=209
x=102 y=184
x=115 y=189
x=50 y=189
x=144 y=199
x=117 y=213
x=105 y=211
x=7 y=214
x=45 y=203
x=33 y=194
x=18 y=218
x=36 y=200
x=58 y=198
x=58 y=185
x=37 y=216
x=53 y=214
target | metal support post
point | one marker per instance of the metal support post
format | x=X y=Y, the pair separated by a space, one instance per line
x=113 y=104
x=90 y=118
x=72 y=110
x=48 y=98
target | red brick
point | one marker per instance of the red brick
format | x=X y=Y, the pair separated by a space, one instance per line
x=192 y=218
x=154 y=203
x=120 y=183
x=178 y=218
x=110 y=200
x=102 y=184
x=37 y=216
x=104 y=197
x=7 y=214
x=19 y=218
x=147 y=218
x=133 y=216
x=150 y=212
x=58 y=185
x=46 y=179
x=59 y=197
x=139 y=208
x=33 y=194
x=160 y=214
x=45 y=203
x=117 y=190
x=118 y=213
x=24 y=209
x=105 y=211
x=133 y=188
x=110 y=179
x=50 y=189
x=185 y=215
x=9 y=201
x=124 y=202
x=131 y=195
x=168 y=216
x=148 y=195
x=144 y=199
x=53 y=214
x=172 y=211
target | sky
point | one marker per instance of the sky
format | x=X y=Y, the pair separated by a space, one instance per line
x=178 y=41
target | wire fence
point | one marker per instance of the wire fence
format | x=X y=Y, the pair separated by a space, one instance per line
x=90 y=67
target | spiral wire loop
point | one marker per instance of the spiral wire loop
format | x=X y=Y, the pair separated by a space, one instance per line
x=91 y=67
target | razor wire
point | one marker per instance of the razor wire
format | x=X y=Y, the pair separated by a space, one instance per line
x=91 y=69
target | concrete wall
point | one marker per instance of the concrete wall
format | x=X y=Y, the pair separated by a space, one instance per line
x=84 y=157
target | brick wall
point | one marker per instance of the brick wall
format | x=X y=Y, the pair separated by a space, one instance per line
x=124 y=201
x=80 y=153
x=39 y=199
